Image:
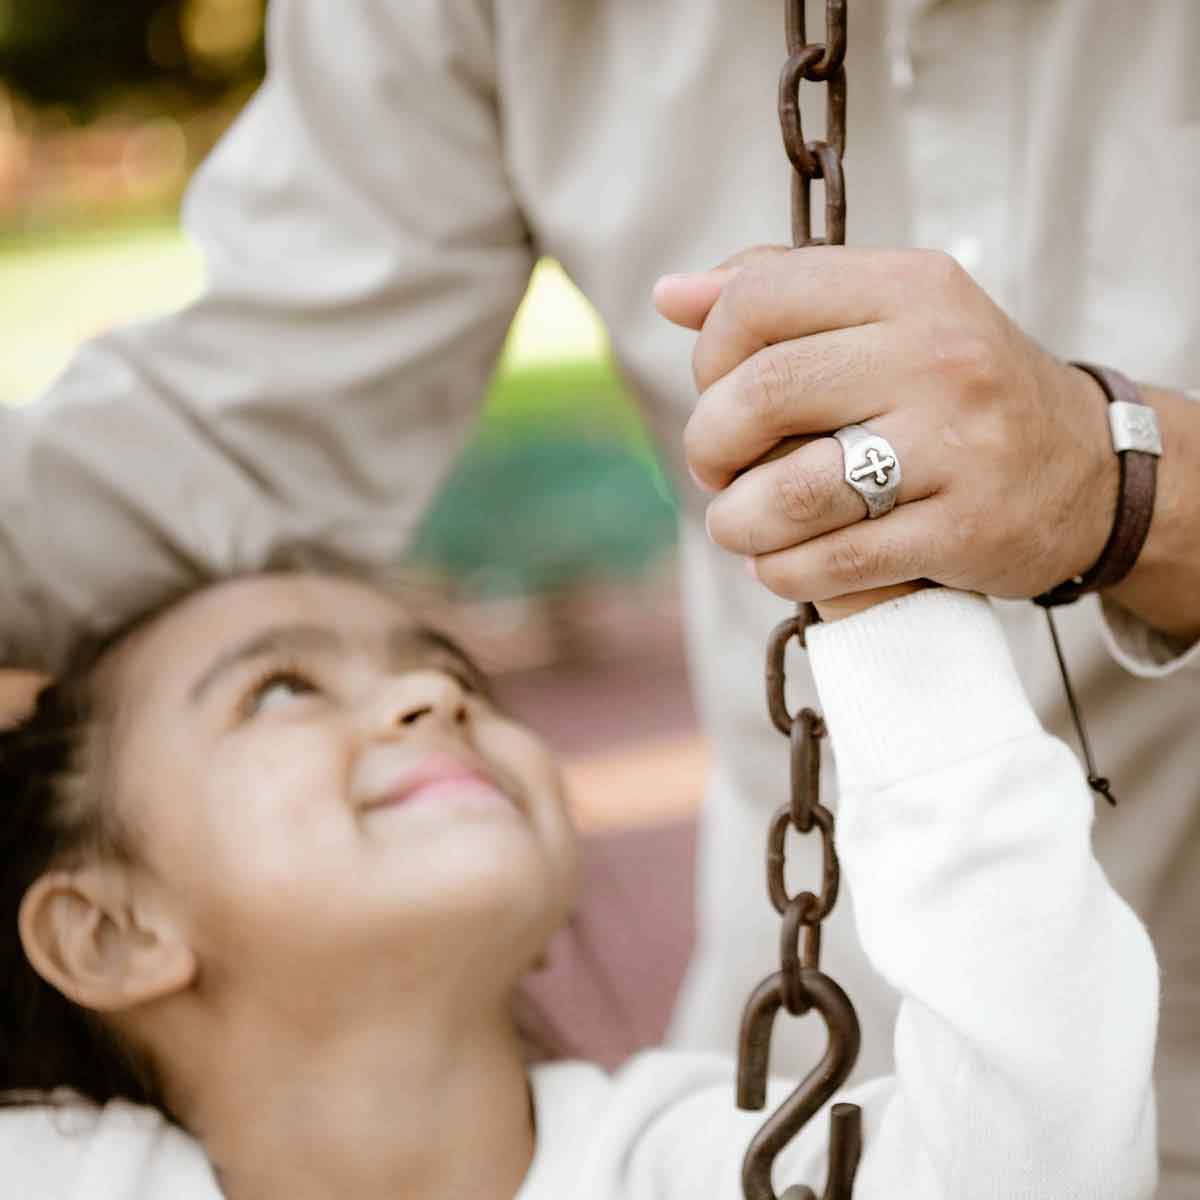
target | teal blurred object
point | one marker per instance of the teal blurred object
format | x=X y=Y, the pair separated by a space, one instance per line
x=558 y=487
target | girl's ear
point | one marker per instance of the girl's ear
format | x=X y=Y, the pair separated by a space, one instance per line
x=84 y=937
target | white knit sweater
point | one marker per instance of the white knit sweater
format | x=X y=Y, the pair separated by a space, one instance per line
x=1029 y=990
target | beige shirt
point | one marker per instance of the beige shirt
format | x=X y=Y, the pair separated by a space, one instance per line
x=369 y=227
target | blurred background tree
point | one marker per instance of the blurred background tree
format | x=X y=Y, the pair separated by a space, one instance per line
x=80 y=53
x=107 y=107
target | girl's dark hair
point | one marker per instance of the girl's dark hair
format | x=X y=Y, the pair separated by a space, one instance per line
x=54 y=810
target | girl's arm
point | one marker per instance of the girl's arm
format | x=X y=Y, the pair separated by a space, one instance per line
x=1025 y=1040
x=1029 y=991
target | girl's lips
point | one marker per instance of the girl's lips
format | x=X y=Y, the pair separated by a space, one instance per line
x=442 y=778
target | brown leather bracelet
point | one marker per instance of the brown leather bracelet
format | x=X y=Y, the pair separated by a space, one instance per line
x=1138 y=447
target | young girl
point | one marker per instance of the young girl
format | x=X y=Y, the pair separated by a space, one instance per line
x=274 y=866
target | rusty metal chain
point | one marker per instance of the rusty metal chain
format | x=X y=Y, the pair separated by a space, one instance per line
x=799 y=985
x=818 y=63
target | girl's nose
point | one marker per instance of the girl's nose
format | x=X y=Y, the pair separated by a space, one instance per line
x=427 y=697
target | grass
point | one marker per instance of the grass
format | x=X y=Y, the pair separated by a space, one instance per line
x=56 y=293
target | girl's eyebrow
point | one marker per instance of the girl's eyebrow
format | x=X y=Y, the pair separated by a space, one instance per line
x=408 y=642
x=281 y=639
x=405 y=640
x=404 y=643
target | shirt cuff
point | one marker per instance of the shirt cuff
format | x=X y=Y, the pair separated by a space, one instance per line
x=915 y=685
x=1141 y=649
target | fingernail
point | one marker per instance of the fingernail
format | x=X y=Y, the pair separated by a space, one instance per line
x=665 y=283
x=751 y=568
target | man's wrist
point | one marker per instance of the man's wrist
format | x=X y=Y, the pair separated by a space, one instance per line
x=1136 y=445
x=1100 y=485
x=1163 y=589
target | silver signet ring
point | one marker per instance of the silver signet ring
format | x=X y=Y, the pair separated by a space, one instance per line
x=871 y=468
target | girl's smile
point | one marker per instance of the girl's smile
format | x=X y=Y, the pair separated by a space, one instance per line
x=439 y=779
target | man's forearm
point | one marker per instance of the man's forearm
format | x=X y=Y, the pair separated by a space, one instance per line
x=1163 y=589
x=318 y=391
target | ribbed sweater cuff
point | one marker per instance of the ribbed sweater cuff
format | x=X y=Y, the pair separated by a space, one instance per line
x=916 y=684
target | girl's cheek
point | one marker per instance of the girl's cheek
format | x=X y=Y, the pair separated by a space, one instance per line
x=274 y=791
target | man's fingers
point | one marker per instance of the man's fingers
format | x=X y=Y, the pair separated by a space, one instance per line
x=896 y=548
x=752 y=255
x=808 y=386
x=806 y=291
x=848 y=606
x=687 y=299
x=804 y=494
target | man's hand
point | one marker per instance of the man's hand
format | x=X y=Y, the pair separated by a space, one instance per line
x=1009 y=479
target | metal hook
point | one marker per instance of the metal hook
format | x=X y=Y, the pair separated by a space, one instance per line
x=845 y=1144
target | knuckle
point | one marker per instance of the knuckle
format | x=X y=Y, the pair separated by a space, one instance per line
x=779 y=578
x=848 y=565
x=761 y=253
x=970 y=360
x=752 y=292
x=768 y=387
x=941 y=270
x=802 y=495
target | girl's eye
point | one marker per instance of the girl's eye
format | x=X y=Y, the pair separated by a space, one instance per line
x=277 y=690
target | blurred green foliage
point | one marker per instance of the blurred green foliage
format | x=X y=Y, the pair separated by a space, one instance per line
x=558 y=486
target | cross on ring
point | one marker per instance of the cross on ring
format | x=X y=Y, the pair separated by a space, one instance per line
x=871 y=466
x=876 y=464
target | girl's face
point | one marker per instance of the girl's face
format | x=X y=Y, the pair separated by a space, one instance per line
x=313 y=781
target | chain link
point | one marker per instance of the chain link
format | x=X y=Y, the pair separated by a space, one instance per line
x=799 y=985
x=820 y=62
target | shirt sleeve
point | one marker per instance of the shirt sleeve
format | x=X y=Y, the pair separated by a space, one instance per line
x=1143 y=650
x=363 y=256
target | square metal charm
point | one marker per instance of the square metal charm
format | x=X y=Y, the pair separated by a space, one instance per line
x=1134 y=427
